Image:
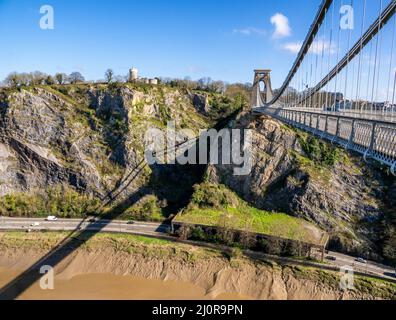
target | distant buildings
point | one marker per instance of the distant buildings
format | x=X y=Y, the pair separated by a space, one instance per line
x=342 y=105
x=134 y=77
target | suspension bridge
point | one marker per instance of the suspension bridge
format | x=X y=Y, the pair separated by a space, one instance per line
x=342 y=85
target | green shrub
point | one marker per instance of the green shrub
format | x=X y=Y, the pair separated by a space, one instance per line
x=147 y=209
x=61 y=201
x=319 y=152
x=199 y=234
x=209 y=195
x=63 y=89
x=271 y=246
x=233 y=253
x=292 y=249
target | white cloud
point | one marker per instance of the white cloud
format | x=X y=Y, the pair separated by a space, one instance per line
x=317 y=47
x=293 y=47
x=282 y=28
x=320 y=46
x=250 y=31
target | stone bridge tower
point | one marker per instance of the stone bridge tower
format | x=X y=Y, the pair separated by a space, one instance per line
x=260 y=97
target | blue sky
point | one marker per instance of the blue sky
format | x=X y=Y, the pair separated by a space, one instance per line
x=221 y=39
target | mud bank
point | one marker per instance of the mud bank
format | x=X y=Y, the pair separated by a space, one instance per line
x=151 y=266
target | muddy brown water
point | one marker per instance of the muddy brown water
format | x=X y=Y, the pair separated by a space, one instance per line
x=114 y=287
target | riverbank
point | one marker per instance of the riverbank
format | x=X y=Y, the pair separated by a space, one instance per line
x=108 y=266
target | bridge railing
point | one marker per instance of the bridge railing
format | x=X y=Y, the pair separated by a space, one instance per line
x=372 y=139
x=376 y=116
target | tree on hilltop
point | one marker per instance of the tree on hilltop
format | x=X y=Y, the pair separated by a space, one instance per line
x=76 y=77
x=12 y=80
x=61 y=78
x=109 y=75
x=49 y=80
x=37 y=78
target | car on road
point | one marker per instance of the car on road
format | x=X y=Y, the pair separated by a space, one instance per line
x=93 y=219
x=331 y=258
x=361 y=260
x=131 y=222
x=35 y=224
x=51 y=218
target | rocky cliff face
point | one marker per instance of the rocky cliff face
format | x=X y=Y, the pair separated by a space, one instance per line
x=327 y=186
x=88 y=137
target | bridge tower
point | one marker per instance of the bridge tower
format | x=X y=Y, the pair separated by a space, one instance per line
x=260 y=97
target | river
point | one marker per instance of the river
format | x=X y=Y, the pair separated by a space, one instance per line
x=114 y=287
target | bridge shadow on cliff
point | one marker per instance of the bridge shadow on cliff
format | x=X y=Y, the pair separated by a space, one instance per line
x=172 y=184
x=72 y=242
x=164 y=180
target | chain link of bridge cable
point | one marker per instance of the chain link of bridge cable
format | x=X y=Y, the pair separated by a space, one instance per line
x=359 y=78
x=377 y=59
x=390 y=65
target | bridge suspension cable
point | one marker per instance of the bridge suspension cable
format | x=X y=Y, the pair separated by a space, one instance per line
x=342 y=85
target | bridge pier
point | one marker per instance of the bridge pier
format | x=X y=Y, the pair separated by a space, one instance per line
x=259 y=98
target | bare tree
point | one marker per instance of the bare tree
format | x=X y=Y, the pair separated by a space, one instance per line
x=49 y=80
x=37 y=78
x=184 y=232
x=204 y=83
x=12 y=80
x=120 y=78
x=76 y=77
x=225 y=228
x=15 y=79
x=25 y=79
x=109 y=75
x=247 y=239
x=61 y=78
x=217 y=86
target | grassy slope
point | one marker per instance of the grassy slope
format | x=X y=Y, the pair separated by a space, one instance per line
x=120 y=243
x=215 y=205
x=375 y=287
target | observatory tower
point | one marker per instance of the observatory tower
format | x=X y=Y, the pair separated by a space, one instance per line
x=133 y=75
